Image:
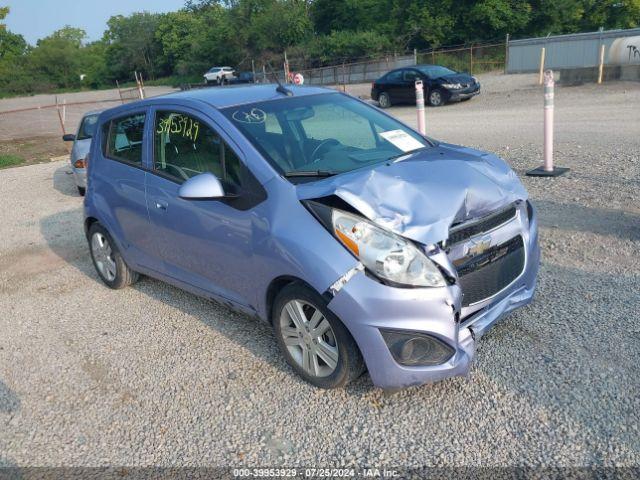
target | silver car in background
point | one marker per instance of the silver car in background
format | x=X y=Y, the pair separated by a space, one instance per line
x=81 y=146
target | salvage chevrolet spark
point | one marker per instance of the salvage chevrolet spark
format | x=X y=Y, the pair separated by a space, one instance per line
x=363 y=243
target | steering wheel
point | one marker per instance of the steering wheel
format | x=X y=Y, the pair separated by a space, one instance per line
x=322 y=144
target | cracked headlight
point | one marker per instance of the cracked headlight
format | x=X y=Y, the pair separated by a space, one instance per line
x=452 y=86
x=385 y=254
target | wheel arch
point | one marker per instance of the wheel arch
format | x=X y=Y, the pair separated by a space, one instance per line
x=276 y=286
x=87 y=225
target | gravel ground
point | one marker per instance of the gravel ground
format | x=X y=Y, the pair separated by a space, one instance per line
x=154 y=376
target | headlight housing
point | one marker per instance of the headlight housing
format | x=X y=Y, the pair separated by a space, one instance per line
x=452 y=86
x=390 y=257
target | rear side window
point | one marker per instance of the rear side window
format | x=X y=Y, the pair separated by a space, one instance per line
x=124 y=139
x=186 y=146
x=394 y=76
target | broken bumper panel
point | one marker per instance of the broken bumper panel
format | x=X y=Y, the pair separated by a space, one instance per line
x=366 y=306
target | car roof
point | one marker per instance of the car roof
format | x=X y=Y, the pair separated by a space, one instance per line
x=222 y=97
x=93 y=112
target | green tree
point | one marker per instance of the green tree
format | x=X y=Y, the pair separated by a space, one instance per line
x=132 y=46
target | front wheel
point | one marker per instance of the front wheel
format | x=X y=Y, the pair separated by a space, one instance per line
x=436 y=98
x=313 y=340
x=110 y=265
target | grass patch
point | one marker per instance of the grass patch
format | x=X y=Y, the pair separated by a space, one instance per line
x=10 y=160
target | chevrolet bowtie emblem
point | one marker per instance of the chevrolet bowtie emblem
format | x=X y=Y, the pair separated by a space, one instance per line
x=478 y=246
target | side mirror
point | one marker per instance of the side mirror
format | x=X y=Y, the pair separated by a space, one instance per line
x=205 y=186
x=69 y=137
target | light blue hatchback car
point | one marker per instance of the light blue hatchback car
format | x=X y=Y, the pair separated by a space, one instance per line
x=364 y=244
x=81 y=145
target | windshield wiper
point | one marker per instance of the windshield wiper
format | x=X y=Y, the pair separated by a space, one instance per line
x=410 y=152
x=310 y=173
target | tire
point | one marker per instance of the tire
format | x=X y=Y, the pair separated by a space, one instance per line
x=384 y=100
x=82 y=191
x=343 y=362
x=436 y=98
x=108 y=261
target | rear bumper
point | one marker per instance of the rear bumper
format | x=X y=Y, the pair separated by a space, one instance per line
x=80 y=177
x=366 y=306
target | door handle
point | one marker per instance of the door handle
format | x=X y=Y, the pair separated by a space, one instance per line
x=161 y=205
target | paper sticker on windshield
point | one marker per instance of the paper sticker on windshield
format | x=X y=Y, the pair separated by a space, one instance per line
x=254 y=115
x=401 y=140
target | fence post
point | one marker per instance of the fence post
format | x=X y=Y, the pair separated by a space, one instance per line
x=344 y=86
x=471 y=60
x=433 y=56
x=541 y=75
x=415 y=56
x=601 y=64
x=547 y=169
x=506 y=54
x=264 y=74
x=253 y=70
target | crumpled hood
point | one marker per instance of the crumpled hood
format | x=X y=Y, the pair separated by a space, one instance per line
x=423 y=194
x=457 y=78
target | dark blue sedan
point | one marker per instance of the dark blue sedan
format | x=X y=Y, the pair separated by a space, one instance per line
x=441 y=85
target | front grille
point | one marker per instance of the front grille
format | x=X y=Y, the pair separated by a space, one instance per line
x=484 y=275
x=467 y=230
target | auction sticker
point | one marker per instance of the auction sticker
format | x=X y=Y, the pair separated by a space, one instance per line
x=401 y=140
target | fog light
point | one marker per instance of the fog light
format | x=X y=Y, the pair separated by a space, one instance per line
x=416 y=349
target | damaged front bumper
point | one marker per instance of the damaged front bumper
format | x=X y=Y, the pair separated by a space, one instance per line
x=367 y=306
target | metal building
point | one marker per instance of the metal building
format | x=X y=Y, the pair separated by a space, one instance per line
x=563 y=51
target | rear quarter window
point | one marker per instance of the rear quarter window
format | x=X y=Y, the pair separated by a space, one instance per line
x=123 y=139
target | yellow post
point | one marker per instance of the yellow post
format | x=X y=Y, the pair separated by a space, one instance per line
x=601 y=65
x=541 y=76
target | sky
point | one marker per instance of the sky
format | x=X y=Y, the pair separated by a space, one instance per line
x=36 y=19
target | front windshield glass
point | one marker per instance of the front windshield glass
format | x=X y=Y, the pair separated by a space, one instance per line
x=327 y=134
x=88 y=127
x=435 y=71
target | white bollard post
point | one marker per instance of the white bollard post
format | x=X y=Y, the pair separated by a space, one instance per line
x=549 y=87
x=420 y=107
x=547 y=169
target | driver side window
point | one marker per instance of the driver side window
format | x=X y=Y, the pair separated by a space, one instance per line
x=185 y=147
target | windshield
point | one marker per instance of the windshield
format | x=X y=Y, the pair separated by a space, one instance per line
x=324 y=134
x=435 y=71
x=88 y=127
x=214 y=70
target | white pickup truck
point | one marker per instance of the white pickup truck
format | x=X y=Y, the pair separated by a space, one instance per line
x=219 y=75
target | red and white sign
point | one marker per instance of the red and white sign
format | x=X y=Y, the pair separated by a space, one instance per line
x=298 y=79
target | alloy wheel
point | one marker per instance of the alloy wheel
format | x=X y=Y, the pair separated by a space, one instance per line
x=309 y=338
x=103 y=256
x=435 y=98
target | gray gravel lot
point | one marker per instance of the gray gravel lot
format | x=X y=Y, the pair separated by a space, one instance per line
x=151 y=375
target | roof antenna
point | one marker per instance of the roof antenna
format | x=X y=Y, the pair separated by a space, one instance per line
x=281 y=88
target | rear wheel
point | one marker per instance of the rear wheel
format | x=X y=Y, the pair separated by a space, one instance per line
x=384 y=100
x=110 y=265
x=313 y=340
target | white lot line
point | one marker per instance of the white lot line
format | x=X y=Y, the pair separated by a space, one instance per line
x=151 y=375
